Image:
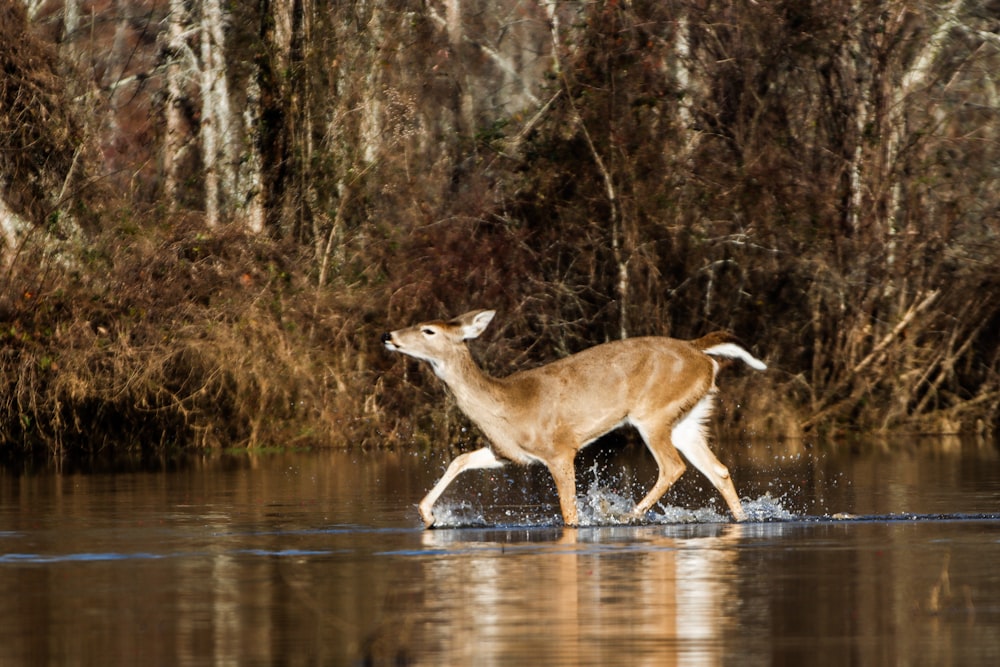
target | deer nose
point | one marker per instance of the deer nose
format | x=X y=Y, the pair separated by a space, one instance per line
x=386 y=337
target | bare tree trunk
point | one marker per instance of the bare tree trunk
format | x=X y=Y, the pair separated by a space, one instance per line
x=209 y=131
x=251 y=170
x=217 y=127
x=851 y=71
x=178 y=53
x=371 y=120
x=688 y=86
x=115 y=72
x=248 y=168
x=303 y=27
x=71 y=23
x=456 y=35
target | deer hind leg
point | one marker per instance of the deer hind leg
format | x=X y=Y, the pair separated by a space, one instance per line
x=668 y=461
x=688 y=437
x=480 y=458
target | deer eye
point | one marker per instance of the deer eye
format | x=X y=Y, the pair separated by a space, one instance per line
x=429 y=332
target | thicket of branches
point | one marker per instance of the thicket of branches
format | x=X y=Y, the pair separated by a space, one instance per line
x=246 y=198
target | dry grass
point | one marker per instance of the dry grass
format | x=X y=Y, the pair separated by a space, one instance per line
x=185 y=339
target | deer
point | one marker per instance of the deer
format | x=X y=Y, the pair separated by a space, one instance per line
x=663 y=387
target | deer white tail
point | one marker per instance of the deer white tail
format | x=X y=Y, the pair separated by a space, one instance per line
x=724 y=344
x=734 y=351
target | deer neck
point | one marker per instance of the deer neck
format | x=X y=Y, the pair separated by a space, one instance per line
x=476 y=392
x=486 y=401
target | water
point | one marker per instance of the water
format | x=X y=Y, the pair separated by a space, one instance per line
x=884 y=555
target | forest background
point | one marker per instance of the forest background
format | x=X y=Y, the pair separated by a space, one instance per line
x=209 y=211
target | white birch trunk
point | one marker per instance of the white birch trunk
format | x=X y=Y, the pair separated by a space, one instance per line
x=251 y=171
x=217 y=127
x=173 y=142
x=552 y=11
x=71 y=23
x=70 y=50
x=453 y=20
x=686 y=85
x=371 y=120
x=849 y=55
x=209 y=130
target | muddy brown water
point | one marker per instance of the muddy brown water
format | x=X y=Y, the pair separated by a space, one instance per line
x=867 y=555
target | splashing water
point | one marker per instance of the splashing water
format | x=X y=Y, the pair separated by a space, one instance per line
x=460 y=514
x=604 y=506
x=767 y=508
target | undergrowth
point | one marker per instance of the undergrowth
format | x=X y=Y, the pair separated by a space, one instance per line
x=170 y=339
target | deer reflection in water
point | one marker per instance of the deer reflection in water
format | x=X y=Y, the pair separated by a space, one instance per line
x=580 y=597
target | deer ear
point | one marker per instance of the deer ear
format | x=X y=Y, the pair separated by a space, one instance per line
x=475 y=323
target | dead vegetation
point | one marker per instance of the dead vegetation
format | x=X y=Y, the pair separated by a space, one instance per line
x=173 y=340
x=820 y=181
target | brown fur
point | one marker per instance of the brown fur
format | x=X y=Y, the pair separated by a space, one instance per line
x=662 y=386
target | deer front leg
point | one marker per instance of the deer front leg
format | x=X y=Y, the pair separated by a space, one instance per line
x=565 y=478
x=481 y=458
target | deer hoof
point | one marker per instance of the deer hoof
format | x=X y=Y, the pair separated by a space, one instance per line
x=426 y=517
